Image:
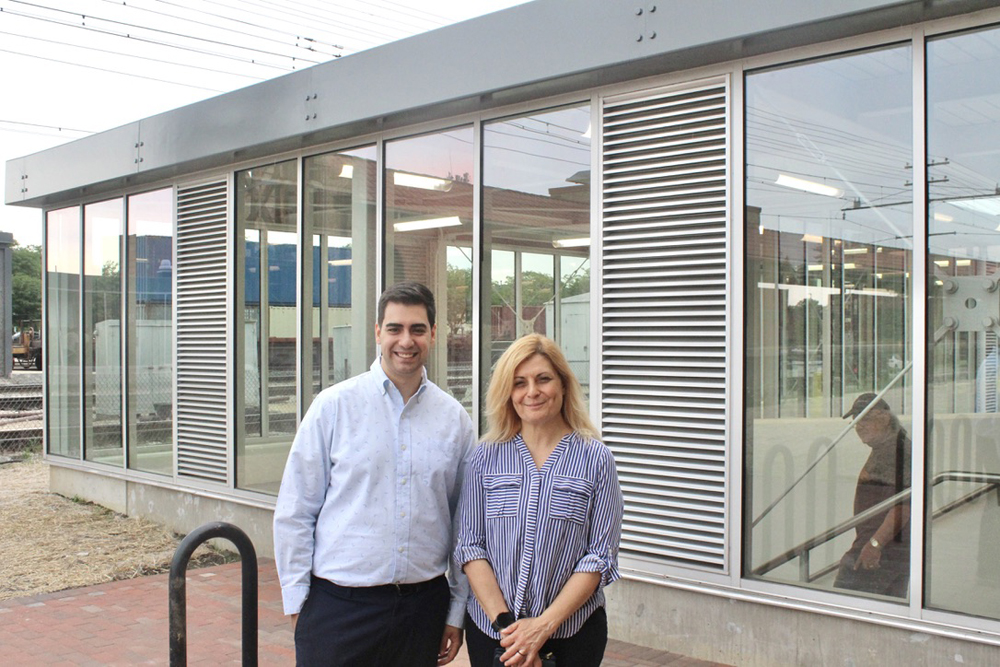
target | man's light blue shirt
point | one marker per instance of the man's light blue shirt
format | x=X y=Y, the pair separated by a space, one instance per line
x=370 y=490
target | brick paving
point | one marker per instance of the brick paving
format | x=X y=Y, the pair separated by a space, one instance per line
x=125 y=623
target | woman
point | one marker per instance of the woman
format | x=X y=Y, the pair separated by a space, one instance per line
x=541 y=514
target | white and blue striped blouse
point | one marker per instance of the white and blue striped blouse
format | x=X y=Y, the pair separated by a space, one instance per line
x=536 y=527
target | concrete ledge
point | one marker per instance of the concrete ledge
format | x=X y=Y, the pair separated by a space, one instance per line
x=749 y=634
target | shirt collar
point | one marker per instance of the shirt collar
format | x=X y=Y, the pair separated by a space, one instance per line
x=384 y=381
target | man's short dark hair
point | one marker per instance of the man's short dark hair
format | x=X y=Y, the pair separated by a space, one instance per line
x=409 y=293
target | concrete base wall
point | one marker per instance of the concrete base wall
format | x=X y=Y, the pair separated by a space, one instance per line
x=177 y=509
x=757 y=635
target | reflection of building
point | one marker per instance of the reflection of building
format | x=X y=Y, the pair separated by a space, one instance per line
x=723 y=227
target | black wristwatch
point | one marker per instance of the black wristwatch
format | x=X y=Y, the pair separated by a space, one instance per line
x=502 y=621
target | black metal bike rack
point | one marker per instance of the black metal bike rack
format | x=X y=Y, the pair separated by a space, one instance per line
x=178 y=589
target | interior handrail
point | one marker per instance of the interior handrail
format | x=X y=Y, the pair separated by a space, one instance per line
x=992 y=480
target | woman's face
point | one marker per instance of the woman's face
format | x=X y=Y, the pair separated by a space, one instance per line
x=537 y=394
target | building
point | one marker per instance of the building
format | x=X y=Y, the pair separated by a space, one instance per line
x=758 y=211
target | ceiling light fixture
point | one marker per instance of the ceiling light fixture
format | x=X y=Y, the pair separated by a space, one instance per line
x=808 y=186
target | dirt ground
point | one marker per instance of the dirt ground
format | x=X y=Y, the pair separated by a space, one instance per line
x=49 y=543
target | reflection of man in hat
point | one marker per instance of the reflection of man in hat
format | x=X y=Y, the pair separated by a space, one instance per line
x=879 y=559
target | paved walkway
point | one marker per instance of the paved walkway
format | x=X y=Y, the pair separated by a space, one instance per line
x=125 y=623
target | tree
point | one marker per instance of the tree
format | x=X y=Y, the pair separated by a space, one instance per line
x=26 y=284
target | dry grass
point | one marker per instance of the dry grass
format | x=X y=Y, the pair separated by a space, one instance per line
x=49 y=543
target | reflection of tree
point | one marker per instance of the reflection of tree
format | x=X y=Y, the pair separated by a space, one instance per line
x=805 y=323
x=459 y=299
x=104 y=293
x=26 y=284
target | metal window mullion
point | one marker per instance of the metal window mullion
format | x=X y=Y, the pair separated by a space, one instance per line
x=381 y=261
x=325 y=377
x=477 y=268
x=303 y=288
x=123 y=337
x=173 y=324
x=82 y=320
x=264 y=328
x=919 y=325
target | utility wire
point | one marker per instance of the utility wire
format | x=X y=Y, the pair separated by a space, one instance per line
x=215 y=26
x=47 y=127
x=111 y=71
x=132 y=55
x=154 y=30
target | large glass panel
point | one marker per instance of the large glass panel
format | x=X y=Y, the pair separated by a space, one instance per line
x=339 y=218
x=428 y=238
x=828 y=305
x=963 y=429
x=149 y=340
x=62 y=340
x=536 y=232
x=266 y=213
x=102 y=342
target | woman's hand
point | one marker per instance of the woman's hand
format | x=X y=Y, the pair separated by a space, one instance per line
x=869 y=558
x=523 y=639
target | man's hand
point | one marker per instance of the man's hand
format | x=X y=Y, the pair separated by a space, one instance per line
x=451 y=641
x=295 y=621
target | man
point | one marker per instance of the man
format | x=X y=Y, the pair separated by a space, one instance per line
x=364 y=522
x=879 y=560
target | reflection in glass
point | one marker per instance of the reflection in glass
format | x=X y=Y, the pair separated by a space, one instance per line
x=828 y=305
x=339 y=216
x=428 y=238
x=266 y=417
x=102 y=360
x=150 y=341
x=536 y=231
x=963 y=433
x=62 y=341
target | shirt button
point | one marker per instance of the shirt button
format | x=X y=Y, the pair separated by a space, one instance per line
x=402 y=481
x=402 y=515
x=403 y=448
x=400 y=549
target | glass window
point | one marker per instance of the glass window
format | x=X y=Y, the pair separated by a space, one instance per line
x=339 y=218
x=963 y=426
x=428 y=238
x=150 y=340
x=536 y=231
x=828 y=305
x=266 y=221
x=62 y=342
x=102 y=350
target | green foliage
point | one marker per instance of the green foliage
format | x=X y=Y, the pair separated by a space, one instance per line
x=26 y=284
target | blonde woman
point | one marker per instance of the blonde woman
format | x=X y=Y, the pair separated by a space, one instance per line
x=540 y=518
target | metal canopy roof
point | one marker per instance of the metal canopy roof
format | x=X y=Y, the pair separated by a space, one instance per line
x=538 y=49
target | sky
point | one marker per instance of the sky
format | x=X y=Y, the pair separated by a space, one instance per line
x=75 y=67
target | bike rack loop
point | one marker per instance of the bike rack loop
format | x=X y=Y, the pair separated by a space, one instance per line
x=178 y=589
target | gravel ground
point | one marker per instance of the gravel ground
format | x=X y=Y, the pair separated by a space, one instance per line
x=49 y=543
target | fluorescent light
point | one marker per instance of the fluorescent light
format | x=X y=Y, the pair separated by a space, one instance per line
x=571 y=243
x=943 y=217
x=347 y=171
x=812 y=238
x=850 y=265
x=808 y=186
x=988 y=205
x=963 y=262
x=815 y=267
x=879 y=276
x=422 y=182
x=340 y=262
x=431 y=223
x=942 y=262
x=855 y=251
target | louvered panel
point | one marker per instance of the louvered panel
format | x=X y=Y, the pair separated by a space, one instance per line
x=202 y=332
x=664 y=410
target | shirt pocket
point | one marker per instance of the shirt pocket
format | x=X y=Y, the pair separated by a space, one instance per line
x=502 y=495
x=570 y=498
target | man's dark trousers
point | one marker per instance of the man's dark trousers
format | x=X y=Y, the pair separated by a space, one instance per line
x=380 y=626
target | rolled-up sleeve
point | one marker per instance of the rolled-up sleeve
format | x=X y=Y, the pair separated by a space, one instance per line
x=605 y=527
x=471 y=542
x=300 y=499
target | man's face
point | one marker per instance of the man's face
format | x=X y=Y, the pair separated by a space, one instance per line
x=405 y=337
x=873 y=425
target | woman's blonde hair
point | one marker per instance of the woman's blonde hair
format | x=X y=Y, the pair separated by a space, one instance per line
x=503 y=421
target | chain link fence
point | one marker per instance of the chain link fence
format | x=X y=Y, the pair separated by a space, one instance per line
x=21 y=412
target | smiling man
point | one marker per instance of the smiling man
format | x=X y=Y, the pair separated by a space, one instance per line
x=363 y=525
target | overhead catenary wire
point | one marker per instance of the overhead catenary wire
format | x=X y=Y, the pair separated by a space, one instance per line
x=161 y=43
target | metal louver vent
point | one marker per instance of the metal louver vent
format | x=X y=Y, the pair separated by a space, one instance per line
x=202 y=332
x=663 y=360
